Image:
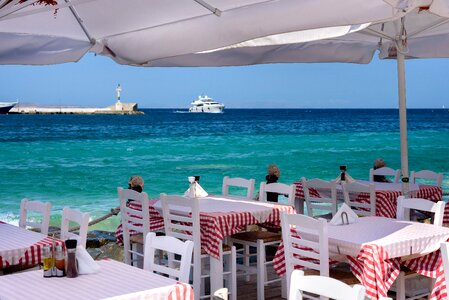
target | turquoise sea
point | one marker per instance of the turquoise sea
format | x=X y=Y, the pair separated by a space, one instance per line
x=80 y=160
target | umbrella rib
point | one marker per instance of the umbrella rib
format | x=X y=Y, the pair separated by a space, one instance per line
x=80 y=22
x=372 y=32
x=206 y=5
x=15 y=6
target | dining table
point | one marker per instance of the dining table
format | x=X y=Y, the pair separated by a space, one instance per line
x=222 y=216
x=22 y=247
x=386 y=196
x=115 y=280
x=376 y=247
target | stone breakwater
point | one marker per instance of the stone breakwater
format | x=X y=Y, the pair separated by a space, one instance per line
x=34 y=110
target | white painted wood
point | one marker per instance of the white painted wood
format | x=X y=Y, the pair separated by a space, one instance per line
x=385 y=171
x=247 y=184
x=170 y=245
x=280 y=188
x=327 y=201
x=182 y=220
x=137 y=220
x=427 y=174
x=405 y=204
x=314 y=235
x=41 y=208
x=81 y=219
x=350 y=192
x=323 y=286
x=445 y=256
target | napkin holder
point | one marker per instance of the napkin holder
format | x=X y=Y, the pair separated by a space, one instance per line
x=344 y=216
x=86 y=264
x=195 y=190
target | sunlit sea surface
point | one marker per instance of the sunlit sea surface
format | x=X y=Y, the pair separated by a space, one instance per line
x=80 y=160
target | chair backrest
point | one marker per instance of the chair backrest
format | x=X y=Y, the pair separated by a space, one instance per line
x=323 y=197
x=81 y=219
x=444 y=247
x=360 y=197
x=170 y=245
x=135 y=216
x=385 y=171
x=279 y=188
x=35 y=207
x=247 y=184
x=323 y=286
x=305 y=243
x=427 y=174
x=405 y=204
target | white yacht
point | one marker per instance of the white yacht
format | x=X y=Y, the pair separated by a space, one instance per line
x=205 y=104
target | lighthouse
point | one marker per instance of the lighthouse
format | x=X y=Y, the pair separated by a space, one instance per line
x=118 y=104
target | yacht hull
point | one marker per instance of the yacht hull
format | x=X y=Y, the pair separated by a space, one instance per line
x=6 y=107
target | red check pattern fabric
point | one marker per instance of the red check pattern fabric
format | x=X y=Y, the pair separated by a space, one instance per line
x=216 y=225
x=156 y=220
x=375 y=270
x=181 y=291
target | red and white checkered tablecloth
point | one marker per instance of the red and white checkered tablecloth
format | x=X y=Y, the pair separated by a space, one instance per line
x=19 y=246
x=223 y=217
x=377 y=264
x=386 y=201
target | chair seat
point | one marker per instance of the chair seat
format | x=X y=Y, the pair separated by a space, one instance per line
x=253 y=236
x=343 y=276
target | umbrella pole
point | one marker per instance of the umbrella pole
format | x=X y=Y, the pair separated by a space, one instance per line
x=403 y=122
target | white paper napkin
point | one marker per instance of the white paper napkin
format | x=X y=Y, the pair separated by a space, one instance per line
x=348 y=179
x=86 y=264
x=337 y=219
x=198 y=191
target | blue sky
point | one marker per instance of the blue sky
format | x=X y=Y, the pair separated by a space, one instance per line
x=92 y=82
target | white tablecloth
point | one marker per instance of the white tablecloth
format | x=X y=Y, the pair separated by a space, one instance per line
x=398 y=238
x=115 y=279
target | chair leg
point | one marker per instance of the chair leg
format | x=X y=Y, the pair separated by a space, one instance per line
x=400 y=286
x=260 y=270
x=233 y=275
x=246 y=259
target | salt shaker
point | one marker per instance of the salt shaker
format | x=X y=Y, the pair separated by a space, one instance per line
x=71 y=266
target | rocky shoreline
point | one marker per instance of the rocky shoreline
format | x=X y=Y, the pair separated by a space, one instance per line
x=102 y=244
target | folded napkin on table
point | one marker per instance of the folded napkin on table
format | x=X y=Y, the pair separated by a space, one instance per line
x=348 y=179
x=338 y=220
x=86 y=264
x=197 y=192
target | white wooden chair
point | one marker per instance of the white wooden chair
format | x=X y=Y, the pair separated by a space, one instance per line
x=173 y=246
x=385 y=171
x=182 y=220
x=445 y=256
x=403 y=213
x=247 y=184
x=351 y=194
x=327 y=199
x=323 y=286
x=262 y=239
x=427 y=174
x=308 y=247
x=81 y=219
x=137 y=219
x=42 y=209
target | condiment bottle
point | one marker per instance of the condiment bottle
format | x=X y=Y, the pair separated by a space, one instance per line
x=47 y=260
x=59 y=261
x=71 y=267
x=343 y=173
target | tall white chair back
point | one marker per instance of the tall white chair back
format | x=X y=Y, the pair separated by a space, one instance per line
x=405 y=204
x=351 y=193
x=81 y=219
x=279 y=188
x=307 y=245
x=323 y=286
x=327 y=199
x=427 y=174
x=136 y=218
x=247 y=184
x=42 y=209
x=385 y=171
x=170 y=245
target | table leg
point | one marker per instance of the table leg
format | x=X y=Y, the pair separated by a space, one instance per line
x=216 y=272
x=299 y=205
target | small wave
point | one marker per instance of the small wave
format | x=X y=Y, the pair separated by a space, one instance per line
x=181 y=112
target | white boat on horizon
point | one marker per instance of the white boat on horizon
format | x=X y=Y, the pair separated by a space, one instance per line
x=5 y=107
x=205 y=104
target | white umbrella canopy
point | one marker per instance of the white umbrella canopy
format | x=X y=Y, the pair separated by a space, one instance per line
x=138 y=32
